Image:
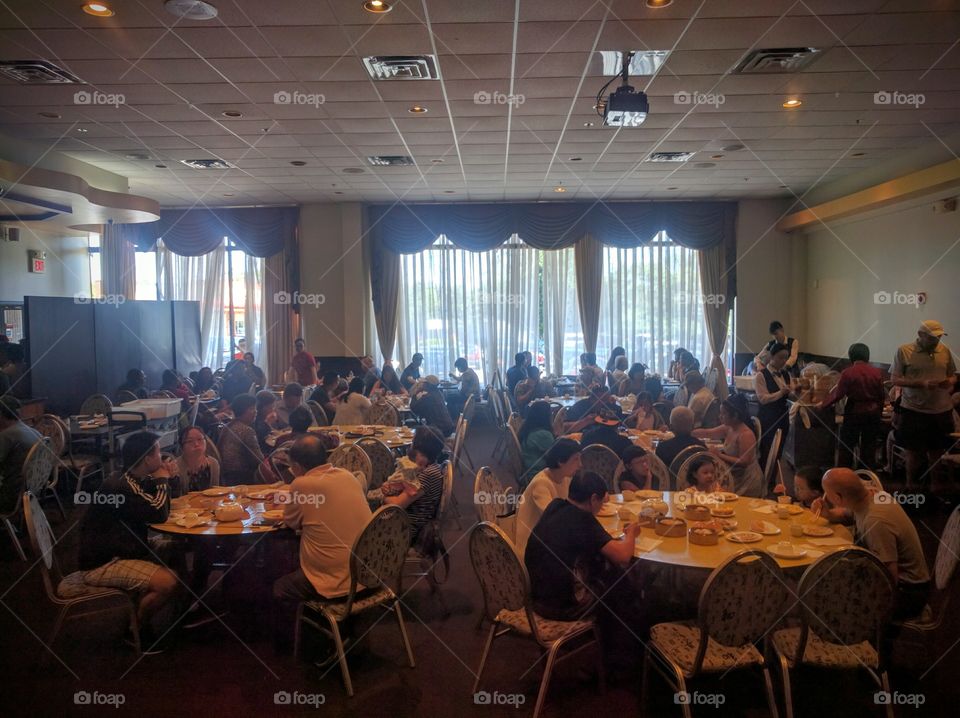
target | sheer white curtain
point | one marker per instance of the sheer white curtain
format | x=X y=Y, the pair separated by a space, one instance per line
x=562 y=337
x=652 y=304
x=198 y=279
x=253 y=310
x=480 y=305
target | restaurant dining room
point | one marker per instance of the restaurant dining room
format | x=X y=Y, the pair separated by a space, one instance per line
x=480 y=358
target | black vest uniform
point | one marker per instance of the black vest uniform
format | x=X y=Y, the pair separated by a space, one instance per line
x=773 y=416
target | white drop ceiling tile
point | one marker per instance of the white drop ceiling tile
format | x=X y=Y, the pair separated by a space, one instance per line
x=906 y=28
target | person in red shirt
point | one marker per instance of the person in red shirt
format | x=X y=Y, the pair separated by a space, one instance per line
x=304 y=365
x=862 y=385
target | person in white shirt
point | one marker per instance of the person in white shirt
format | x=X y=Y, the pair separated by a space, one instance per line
x=327 y=505
x=353 y=406
x=779 y=336
x=562 y=461
x=700 y=397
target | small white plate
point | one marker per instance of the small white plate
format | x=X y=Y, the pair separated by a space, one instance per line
x=769 y=529
x=793 y=552
x=817 y=531
x=744 y=537
x=203 y=521
x=217 y=491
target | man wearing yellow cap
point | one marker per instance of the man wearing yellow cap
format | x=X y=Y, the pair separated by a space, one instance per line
x=926 y=372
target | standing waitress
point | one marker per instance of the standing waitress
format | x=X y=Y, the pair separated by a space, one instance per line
x=772 y=385
x=779 y=336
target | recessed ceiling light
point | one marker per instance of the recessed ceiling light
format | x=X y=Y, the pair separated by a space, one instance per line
x=337 y=192
x=716 y=157
x=733 y=148
x=438 y=161
x=191 y=9
x=791 y=103
x=50 y=115
x=671 y=188
x=82 y=130
x=658 y=3
x=783 y=186
x=97 y=9
x=353 y=170
x=298 y=163
x=705 y=165
x=576 y=159
x=449 y=191
x=233 y=114
x=417 y=110
x=228 y=194
x=377 y=6
x=588 y=124
x=559 y=188
x=161 y=167
x=858 y=154
x=136 y=156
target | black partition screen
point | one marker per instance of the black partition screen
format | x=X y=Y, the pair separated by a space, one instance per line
x=76 y=350
x=60 y=351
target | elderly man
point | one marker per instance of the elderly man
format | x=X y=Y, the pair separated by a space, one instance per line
x=681 y=424
x=700 y=397
x=883 y=527
x=926 y=372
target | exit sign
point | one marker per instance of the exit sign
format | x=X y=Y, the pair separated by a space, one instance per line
x=38 y=266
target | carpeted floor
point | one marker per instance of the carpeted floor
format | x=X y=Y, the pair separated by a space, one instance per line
x=233 y=667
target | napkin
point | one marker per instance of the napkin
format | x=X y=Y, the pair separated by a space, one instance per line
x=831 y=541
x=811 y=551
x=646 y=544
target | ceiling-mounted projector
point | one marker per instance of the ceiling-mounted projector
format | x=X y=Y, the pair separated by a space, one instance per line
x=625 y=107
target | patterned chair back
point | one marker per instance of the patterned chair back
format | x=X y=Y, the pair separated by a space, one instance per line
x=468 y=407
x=38 y=467
x=558 y=419
x=870 y=478
x=447 y=488
x=280 y=462
x=757 y=427
x=724 y=477
x=42 y=541
x=945 y=565
x=662 y=481
x=600 y=460
x=96 y=404
x=319 y=415
x=515 y=422
x=771 y=466
x=489 y=496
x=846 y=597
x=458 y=438
x=382 y=461
x=377 y=557
x=124 y=396
x=741 y=600
x=212 y=450
x=352 y=458
x=514 y=453
x=711 y=417
x=54 y=429
x=383 y=414
x=681 y=458
x=502 y=575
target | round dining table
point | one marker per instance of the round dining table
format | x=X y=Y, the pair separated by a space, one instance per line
x=680 y=553
x=255 y=498
x=395 y=437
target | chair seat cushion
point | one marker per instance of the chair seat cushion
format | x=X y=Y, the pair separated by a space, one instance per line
x=679 y=642
x=823 y=653
x=548 y=629
x=361 y=602
x=73 y=586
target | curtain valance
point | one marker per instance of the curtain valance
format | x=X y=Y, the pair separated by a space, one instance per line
x=409 y=228
x=258 y=231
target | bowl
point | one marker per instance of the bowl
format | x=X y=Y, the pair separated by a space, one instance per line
x=694 y=512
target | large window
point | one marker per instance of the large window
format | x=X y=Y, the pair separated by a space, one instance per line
x=486 y=306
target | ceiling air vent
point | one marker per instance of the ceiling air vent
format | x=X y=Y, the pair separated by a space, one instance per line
x=402 y=67
x=391 y=161
x=778 y=59
x=670 y=156
x=207 y=164
x=38 y=72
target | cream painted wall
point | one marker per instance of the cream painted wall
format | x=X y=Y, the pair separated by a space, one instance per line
x=68 y=269
x=331 y=264
x=769 y=265
x=906 y=249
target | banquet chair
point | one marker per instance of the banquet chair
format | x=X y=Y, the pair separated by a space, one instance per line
x=771 y=469
x=376 y=563
x=493 y=502
x=846 y=598
x=681 y=457
x=870 y=478
x=513 y=462
x=663 y=409
x=558 y=419
x=515 y=422
x=52 y=427
x=124 y=396
x=600 y=460
x=383 y=413
x=69 y=595
x=756 y=426
x=96 y=404
x=929 y=630
x=711 y=417
x=661 y=479
x=280 y=462
x=352 y=458
x=739 y=603
x=212 y=449
x=723 y=473
x=382 y=461
x=466 y=461
x=469 y=407
x=508 y=605
x=429 y=553
x=319 y=415
x=81 y=465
